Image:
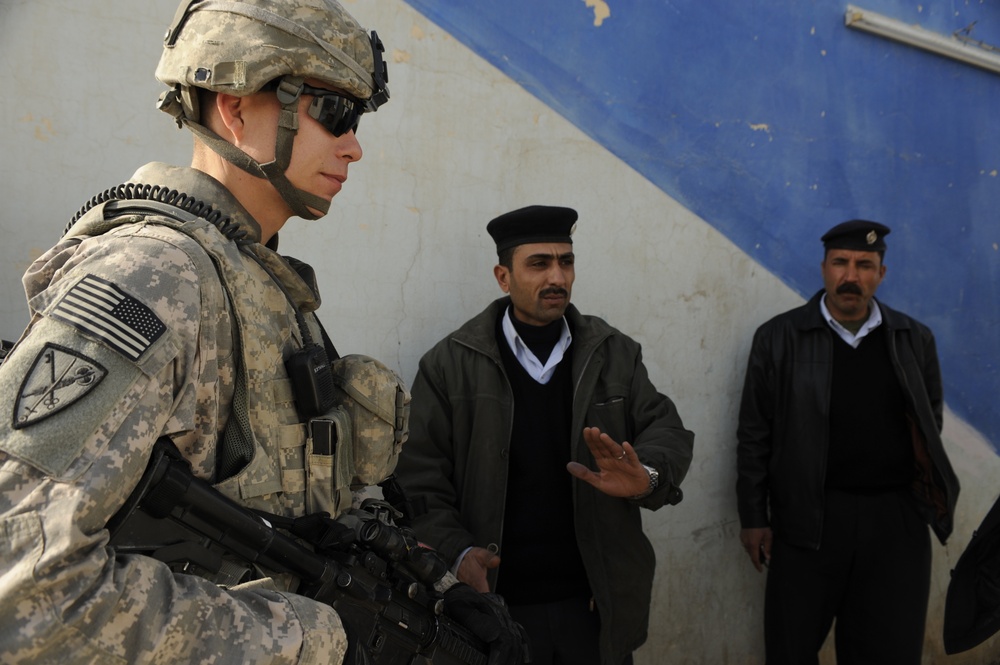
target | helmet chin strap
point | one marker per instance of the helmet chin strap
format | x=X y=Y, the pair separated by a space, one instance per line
x=289 y=91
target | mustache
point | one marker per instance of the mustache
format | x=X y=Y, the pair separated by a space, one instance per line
x=553 y=291
x=849 y=288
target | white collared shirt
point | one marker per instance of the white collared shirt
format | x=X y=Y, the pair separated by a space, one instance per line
x=873 y=322
x=530 y=363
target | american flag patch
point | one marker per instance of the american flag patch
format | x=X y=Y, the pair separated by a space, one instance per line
x=100 y=309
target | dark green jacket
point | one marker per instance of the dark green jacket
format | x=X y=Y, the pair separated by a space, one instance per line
x=455 y=460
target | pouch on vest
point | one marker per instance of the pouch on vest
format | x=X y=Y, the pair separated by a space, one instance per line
x=357 y=442
x=329 y=464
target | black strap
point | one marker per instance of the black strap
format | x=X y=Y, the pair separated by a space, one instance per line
x=180 y=18
x=396 y=496
x=5 y=347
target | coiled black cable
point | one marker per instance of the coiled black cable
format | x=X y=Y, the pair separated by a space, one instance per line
x=131 y=191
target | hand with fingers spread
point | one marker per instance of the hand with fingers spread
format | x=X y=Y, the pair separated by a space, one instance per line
x=620 y=473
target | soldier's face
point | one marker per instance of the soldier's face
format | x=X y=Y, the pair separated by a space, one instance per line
x=851 y=278
x=540 y=282
x=319 y=159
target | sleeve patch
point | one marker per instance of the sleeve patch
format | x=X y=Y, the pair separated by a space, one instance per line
x=103 y=311
x=58 y=378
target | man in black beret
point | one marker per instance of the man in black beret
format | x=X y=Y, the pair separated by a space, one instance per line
x=535 y=438
x=841 y=465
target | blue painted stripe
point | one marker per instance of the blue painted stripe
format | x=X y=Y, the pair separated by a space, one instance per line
x=773 y=121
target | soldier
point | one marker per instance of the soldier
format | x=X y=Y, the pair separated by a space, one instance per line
x=165 y=311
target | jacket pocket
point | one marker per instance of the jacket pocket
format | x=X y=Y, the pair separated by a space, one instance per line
x=610 y=416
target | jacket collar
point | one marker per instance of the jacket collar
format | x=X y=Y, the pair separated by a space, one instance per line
x=811 y=317
x=479 y=332
x=297 y=278
x=201 y=187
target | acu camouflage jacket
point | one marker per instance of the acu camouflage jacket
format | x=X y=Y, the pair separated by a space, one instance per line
x=131 y=338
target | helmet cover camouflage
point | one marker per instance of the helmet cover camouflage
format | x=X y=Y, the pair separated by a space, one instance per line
x=238 y=47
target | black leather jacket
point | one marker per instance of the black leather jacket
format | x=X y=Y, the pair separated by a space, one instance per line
x=783 y=430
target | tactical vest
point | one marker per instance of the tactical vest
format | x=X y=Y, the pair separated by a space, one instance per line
x=290 y=466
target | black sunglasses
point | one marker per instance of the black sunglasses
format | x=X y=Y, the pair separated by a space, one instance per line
x=337 y=112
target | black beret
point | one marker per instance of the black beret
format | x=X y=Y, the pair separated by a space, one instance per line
x=857 y=234
x=532 y=224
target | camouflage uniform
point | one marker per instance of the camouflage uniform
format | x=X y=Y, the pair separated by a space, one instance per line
x=84 y=405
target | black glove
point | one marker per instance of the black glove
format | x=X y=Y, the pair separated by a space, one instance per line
x=486 y=616
x=357 y=649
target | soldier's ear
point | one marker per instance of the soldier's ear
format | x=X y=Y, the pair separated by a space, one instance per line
x=227 y=113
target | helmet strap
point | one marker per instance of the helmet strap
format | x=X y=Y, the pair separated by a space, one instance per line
x=274 y=171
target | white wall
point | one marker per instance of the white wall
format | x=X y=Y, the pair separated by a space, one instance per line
x=403 y=257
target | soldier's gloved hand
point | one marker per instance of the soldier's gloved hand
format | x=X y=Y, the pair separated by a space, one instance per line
x=486 y=616
x=357 y=649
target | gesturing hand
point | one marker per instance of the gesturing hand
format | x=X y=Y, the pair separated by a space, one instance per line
x=619 y=471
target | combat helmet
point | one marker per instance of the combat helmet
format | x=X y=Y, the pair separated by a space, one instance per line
x=240 y=47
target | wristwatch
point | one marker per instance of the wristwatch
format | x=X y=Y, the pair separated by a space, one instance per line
x=654 y=481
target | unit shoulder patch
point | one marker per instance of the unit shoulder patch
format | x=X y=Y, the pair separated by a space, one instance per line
x=58 y=378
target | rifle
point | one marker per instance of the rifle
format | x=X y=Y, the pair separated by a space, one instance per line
x=368 y=575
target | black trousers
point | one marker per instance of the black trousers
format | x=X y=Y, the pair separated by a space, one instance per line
x=563 y=632
x=871 y=574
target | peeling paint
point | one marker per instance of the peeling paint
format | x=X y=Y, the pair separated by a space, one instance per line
x=760 y=127
x=417 y=32
x=399 y=55
x=601 y=11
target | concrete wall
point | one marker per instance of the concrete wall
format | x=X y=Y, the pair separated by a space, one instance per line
x=403 y=258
